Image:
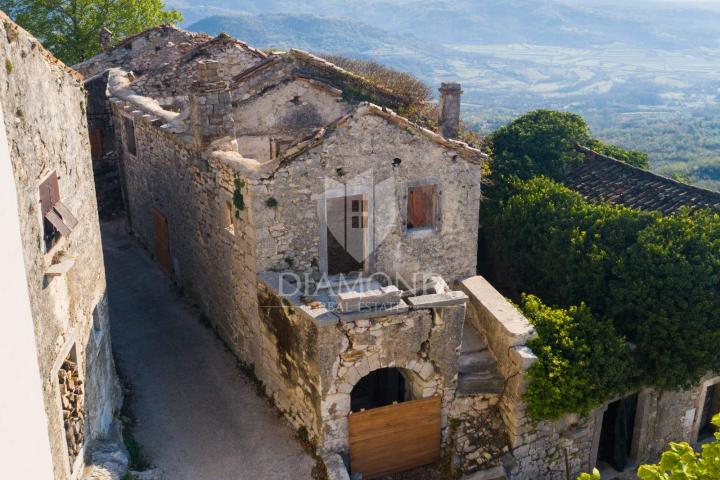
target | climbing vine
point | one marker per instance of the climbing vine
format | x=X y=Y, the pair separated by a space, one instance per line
x=238 y=199
x=634 y=294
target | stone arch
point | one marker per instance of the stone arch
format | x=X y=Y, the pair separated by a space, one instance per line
x=420 y=376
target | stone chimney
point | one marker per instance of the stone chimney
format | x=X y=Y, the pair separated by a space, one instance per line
x=105 y=39
x=210 y=106
x=450 y=109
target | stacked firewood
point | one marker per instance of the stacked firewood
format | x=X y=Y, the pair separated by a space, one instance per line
x=71 y=395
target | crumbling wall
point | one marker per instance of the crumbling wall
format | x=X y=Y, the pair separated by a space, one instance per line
x=170 y=83
x=44 y=111
x=144 y=51
x=369 y=153
x=268 y=123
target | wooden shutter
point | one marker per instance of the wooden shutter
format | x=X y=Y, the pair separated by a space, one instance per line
x=49 y=194
x=421 y=206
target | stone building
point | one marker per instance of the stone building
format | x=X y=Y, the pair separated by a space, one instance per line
x=63 y=392
x=332 y=244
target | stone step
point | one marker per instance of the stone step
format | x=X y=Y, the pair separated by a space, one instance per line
x=476 y=362
x=472 y=341
x=480 y=383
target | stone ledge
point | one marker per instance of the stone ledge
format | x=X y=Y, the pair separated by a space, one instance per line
x=494 y=307
x=438 y=300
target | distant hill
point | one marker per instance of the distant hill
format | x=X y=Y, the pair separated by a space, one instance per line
x=643 y=73
x=324 y=34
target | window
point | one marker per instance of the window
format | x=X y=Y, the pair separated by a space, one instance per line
x=422 y=208
x=57 y=219
x=130 y=146
x=229 y=223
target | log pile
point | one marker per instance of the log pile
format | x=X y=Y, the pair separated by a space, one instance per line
x=72 y=396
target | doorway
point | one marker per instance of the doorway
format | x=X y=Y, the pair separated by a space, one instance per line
x=711 y=407
x=616 y=434
x=379 y=388
x=162 y=242
x=347 y=227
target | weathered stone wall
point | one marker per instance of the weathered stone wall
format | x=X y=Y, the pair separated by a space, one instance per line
x=145 y=51
x=211 y=242
x=421 y=343
x=268 y=123
x=370 y=154
x=170 y=83
x=288 y=363
x=44 y=107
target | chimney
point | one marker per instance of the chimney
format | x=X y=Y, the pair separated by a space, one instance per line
x=210 y=106
x=450 y=109
x=105 y=39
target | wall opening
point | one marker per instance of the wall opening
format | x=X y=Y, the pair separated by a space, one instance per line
x=710 y=408
x=347 y=232
x=72 y=401
x=380 y=387
x=130 y=145
x=616 y=435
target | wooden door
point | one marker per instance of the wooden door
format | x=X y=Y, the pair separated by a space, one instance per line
x=347 y=227
x=395 y=438
x=162 y=242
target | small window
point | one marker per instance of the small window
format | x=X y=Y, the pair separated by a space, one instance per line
x=422 y=207
x=57 y=219
x=229 y=222
x=130 y=146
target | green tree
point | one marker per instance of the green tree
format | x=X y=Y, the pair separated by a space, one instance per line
x=542 y=142
x=69 y=28
x=681 y=462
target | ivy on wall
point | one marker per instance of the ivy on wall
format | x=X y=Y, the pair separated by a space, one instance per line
x=636 y=295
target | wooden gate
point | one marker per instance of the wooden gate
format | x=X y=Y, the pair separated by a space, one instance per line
x=162 y=242
x=394 y=438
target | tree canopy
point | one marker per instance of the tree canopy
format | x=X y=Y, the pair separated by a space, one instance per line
x=69 y=28
x=542 y=142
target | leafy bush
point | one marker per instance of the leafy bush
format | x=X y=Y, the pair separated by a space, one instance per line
x=581 y=360
x=655 y=277
x=681 y=462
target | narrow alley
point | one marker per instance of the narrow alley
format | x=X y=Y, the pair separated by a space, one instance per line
x=198 y=417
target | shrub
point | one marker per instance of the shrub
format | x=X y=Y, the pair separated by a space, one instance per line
x=681 y=462
x=581 y=360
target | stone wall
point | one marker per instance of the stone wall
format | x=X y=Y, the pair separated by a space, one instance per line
x=211 y=241
x=170 y=83
x=367 y=153
x=422 y=343
x=144 y=51
x=44 y=107
x=284 y=114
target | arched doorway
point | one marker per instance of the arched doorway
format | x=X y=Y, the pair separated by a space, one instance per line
x=381 y=387
x=391 y=427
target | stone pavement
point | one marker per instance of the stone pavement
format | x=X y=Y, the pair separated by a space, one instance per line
x=198 y=417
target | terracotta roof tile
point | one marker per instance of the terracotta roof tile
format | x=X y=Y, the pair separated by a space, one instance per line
x=605 y=179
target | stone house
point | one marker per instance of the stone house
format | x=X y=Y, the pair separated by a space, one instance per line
x=63 y=392
x=332 y=244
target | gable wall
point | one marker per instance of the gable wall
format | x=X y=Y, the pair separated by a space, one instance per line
x=364 y=148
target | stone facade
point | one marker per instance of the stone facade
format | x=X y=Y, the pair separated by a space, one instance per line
x=242 y=165
x=44 y=109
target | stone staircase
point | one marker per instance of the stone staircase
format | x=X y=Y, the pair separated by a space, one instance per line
x=477 y=369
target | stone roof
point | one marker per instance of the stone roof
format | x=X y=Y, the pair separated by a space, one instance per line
x=605 y=179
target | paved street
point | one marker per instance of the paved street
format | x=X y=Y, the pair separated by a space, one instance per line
x=198 y=417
